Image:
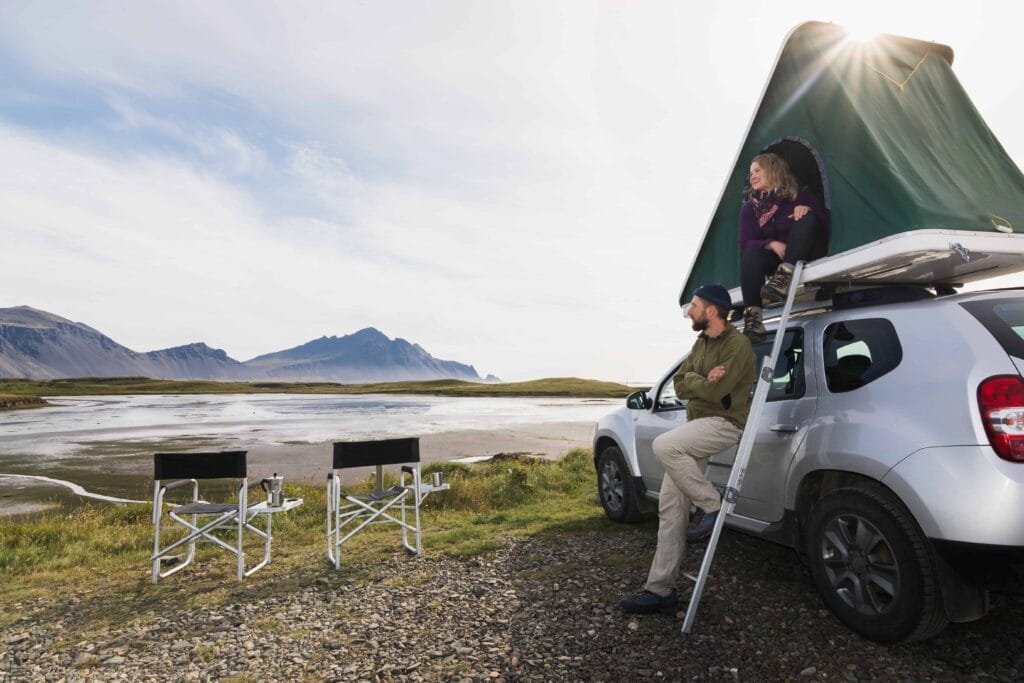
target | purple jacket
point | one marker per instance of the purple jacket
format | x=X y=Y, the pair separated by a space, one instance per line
x=753 y=236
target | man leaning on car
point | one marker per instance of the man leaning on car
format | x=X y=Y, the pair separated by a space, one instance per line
x=715 y=378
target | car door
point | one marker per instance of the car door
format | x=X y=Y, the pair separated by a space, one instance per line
x=784 y=420
x=666 y=412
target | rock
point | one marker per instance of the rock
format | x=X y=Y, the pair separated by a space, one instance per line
x=83 y=659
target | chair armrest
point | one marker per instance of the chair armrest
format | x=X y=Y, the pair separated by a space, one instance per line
x=158 y=497
x=178 y=484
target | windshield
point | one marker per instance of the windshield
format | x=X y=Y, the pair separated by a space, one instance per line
x=1004 y=318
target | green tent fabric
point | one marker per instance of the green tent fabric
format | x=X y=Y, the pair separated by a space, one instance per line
x=884 y=132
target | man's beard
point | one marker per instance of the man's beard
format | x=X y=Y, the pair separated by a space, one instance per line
x=700 y=325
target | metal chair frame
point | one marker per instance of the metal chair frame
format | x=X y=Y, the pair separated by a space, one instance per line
x=225 y=465
x=348 y=514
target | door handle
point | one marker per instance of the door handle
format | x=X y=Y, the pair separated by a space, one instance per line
x=784 y=428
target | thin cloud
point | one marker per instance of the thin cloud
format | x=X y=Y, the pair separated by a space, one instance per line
x=222 y=149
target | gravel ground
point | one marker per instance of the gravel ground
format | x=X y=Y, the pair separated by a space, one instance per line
x=541 y=609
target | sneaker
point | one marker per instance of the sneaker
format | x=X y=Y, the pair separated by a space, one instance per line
x=701 y=527
x=647 y=602
x=753 y=327
x=775 y=290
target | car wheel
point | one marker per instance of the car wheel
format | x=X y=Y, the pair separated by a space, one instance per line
x=873 y=566
x=615 y=486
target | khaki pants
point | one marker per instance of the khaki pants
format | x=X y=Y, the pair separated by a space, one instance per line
x=684 y=453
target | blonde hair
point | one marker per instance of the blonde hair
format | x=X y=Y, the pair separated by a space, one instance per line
x=777 y=175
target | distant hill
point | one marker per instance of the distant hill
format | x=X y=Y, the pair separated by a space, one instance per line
x=364 y=356
x=194 y=361
x=35 y=344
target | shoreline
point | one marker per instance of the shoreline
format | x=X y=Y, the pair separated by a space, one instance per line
x=548 y=387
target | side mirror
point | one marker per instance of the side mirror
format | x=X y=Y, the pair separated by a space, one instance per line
x=638 y=400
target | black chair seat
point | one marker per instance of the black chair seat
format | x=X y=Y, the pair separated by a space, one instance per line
x=205 y=508
x=380 y=495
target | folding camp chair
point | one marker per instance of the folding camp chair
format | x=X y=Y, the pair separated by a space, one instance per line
x=348 y=514
x=175 y=470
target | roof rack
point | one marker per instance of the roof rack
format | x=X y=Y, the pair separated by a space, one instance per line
x=940 y=259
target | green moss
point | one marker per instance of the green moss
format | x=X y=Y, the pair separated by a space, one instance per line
x=22 y=389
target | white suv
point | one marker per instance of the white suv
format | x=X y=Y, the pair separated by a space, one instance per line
x=890 y=455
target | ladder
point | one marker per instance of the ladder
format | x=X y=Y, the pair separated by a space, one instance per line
x=739 y=467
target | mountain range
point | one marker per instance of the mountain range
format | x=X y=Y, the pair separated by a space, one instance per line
x=35 y=344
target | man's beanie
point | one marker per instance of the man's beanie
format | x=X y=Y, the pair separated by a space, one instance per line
x=717 y=295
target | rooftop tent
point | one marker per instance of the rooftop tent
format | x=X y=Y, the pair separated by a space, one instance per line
x=883 y=132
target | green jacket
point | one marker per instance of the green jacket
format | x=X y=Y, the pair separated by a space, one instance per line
x=729 y=397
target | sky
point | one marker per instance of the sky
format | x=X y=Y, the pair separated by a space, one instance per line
x=517 y=185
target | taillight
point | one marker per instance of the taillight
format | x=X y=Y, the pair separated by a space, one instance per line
x=1001 y=400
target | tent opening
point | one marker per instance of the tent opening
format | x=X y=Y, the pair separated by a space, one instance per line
x=806 y=165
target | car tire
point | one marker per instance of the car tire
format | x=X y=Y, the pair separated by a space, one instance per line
x=615 y=487
x=873 y=566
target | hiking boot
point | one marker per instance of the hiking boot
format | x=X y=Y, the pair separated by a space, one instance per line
x=774 y=292
x=753 y=328
x=701 y=526
x=647 y=602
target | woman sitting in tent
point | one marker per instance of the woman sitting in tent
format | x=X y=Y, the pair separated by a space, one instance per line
x=780 y=224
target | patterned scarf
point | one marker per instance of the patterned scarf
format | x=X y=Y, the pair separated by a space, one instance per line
x=765 y=204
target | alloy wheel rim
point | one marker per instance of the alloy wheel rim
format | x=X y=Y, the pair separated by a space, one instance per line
x=611 y=485
x=860 y=564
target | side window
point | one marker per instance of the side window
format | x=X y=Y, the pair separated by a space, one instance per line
x=788 y=382
x=667 y=399
x=857 y=352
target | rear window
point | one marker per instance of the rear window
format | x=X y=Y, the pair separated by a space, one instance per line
x=857 y=352
x=1004 y=319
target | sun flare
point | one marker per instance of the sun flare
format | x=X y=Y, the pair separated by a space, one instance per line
x=861 y=31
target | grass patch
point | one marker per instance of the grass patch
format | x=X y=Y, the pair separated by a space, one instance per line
x=204 y=652
x=24 y=389
x=18 y=400
x=101 y=552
